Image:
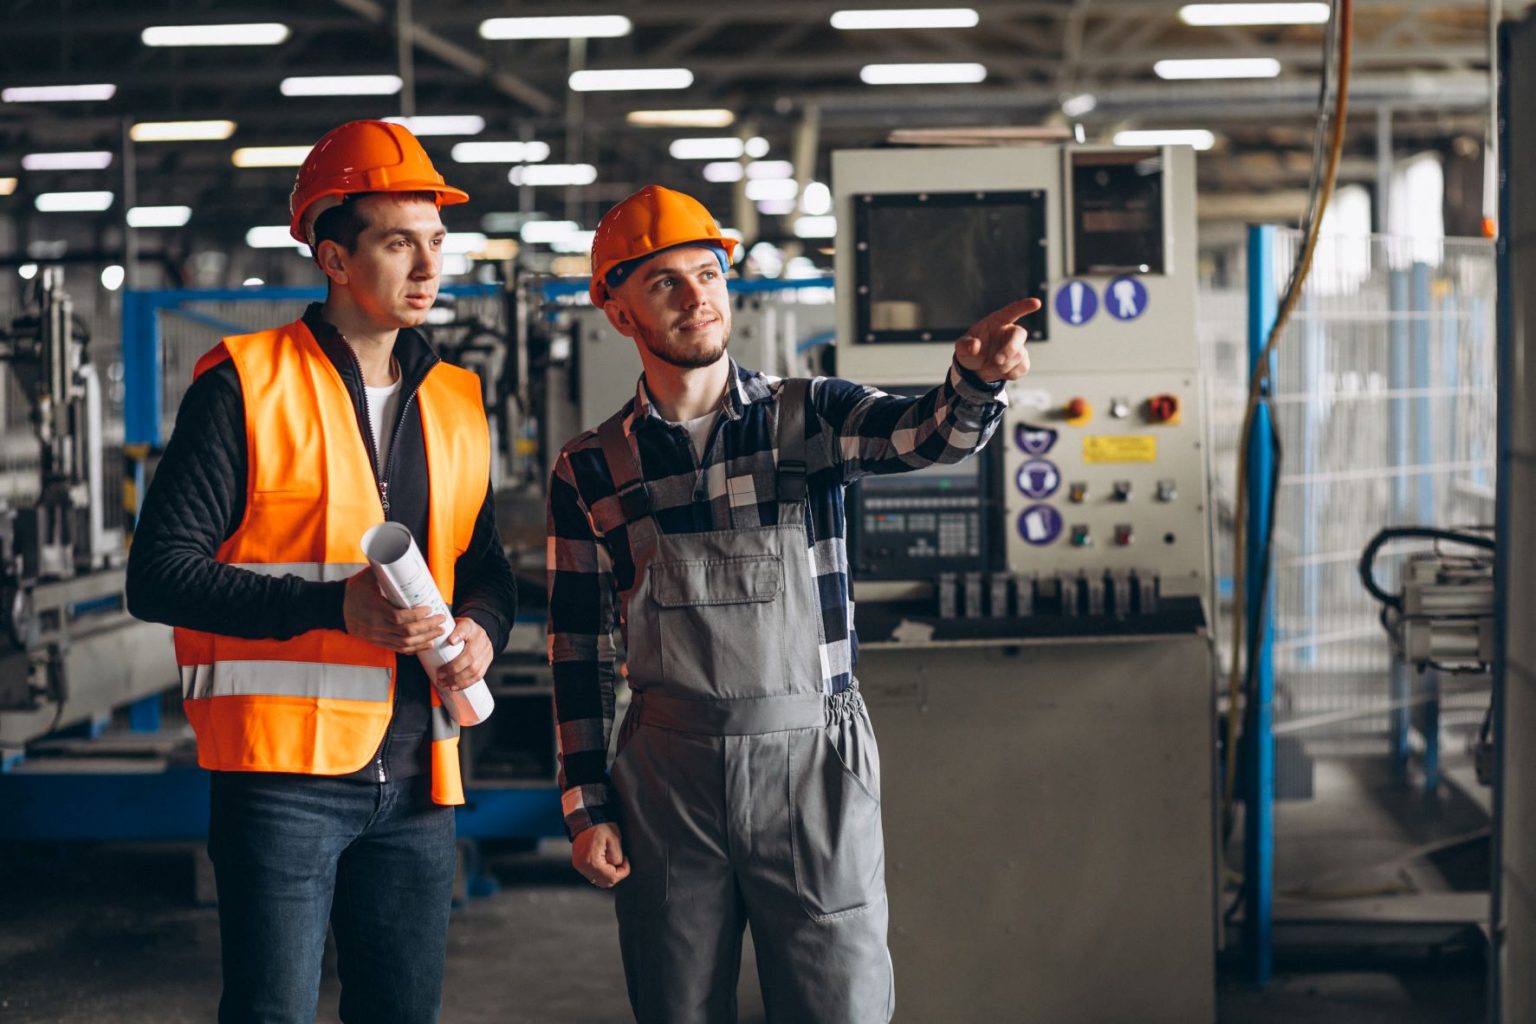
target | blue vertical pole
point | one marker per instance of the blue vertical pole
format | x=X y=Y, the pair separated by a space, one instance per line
x=1399 y=431
x=1258 y=733
x=1399 y=375
x=142 y=386
x=1425 y=424
x=1430 y=679
x=144 y=714
x=1400 y=686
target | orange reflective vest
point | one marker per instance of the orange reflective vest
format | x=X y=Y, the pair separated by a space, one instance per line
x=319 y=703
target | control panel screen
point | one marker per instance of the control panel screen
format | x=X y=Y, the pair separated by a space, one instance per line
x=916 y=525
x=931 y=264
x=1117 y=212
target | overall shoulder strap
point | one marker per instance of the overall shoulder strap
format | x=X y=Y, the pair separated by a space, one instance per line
x=792 y=399
x=634 y=499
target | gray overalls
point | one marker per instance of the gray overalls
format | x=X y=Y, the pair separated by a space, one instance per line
x=747 y=793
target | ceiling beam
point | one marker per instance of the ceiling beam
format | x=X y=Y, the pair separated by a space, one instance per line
x=456 y=56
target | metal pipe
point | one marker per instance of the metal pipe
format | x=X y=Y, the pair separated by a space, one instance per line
x=404 y=30
x=1258 y=731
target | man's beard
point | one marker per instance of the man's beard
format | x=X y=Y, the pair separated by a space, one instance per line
x=683 y=360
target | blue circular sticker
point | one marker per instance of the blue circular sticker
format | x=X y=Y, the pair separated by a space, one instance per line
x=1125 y=298
x=1076 y=302
x=1039 y=525
x=1038 y=479
x=1033 y=440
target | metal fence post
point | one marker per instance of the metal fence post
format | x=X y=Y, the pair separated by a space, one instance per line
x=1258 y=734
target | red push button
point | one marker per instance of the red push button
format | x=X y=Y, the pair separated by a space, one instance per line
x=1163 y=408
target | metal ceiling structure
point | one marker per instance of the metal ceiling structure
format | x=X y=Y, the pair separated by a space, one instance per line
x=789 y=76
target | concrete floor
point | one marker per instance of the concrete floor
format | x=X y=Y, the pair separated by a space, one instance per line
x=112 y=935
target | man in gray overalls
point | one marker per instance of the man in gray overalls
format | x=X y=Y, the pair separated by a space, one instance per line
x=705 y=521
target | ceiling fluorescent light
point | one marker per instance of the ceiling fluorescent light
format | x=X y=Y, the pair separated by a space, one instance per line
x=621 y=79
x=159 y=216
x=270 y=156
x=95 y=160
x=57 y=93
x=707 y=149
x=1217 y=67
x=7 y=186
x=923 y=74
x=1079 y=105
x=1197 y=138
x=341 y=85
x=257 y=33
x=501 y=152
x=1254 y=14
x=775 y=190
x=553 y=174
x=816 y=200
x=461 y=242
x=271 y=236
x=714 y=117
x=545 y=231
x=73 y=202
x=775 y=207
x=917 y=17
x=816 y=227
x=770 y=169
x=595 y=26
x=442 y=124
x=576 y=241
x=724 y=171
x=181 y=131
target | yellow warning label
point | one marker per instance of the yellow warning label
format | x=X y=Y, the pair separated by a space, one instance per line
x=1110 y=448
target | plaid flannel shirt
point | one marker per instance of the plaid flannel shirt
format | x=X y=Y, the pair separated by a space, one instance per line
x=851 y=430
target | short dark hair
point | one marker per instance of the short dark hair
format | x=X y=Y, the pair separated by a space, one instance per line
x=343 y=223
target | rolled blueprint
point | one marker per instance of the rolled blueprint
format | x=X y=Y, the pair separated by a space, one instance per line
x=403 y=577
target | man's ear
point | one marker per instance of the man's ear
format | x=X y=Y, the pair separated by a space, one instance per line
x=333 y=261
x=619 y=317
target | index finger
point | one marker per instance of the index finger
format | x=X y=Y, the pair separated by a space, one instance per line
x=1000 y=318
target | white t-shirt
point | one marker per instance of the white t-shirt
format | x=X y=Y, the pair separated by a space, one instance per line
x=698 y=432
x=383 y=407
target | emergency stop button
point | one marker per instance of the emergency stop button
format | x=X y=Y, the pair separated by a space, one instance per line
x=1163 y=408
x=1078 y=411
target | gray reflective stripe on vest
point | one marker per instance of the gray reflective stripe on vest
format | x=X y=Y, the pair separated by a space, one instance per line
x=443 y=725
x=313 y=572
x=285 y=679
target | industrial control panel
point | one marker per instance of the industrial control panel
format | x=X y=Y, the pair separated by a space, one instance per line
x=1092 y=498
x=1033 y=622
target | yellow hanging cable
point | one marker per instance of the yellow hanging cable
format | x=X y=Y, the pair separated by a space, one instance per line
x=1259 y=383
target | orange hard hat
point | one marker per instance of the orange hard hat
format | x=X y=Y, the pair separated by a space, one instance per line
x=363 y=156
x=645 y=223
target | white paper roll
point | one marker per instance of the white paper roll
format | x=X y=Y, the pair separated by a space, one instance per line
x=407 y=583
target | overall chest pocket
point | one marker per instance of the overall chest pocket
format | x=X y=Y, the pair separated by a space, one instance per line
x=721 y=624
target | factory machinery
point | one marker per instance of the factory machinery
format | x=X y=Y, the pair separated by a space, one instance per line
x=71 y=653
x=1034 y=623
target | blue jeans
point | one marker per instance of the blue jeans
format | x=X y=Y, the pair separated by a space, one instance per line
x=293 y=852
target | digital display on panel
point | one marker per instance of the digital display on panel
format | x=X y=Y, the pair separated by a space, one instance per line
x=1117 y=212
x=931 y=264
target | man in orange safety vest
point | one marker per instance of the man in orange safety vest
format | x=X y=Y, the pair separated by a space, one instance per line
x=334 y=762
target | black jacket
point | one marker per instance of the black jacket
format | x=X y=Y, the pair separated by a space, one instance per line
x=197 y=500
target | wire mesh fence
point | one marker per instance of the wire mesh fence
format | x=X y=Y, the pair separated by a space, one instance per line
x=1384 y=408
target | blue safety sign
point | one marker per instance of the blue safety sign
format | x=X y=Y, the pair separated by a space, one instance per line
x=1033 y=440
x=1125 y=298
x=1038 y=479
x=1076 y=302
x=1039 y=524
